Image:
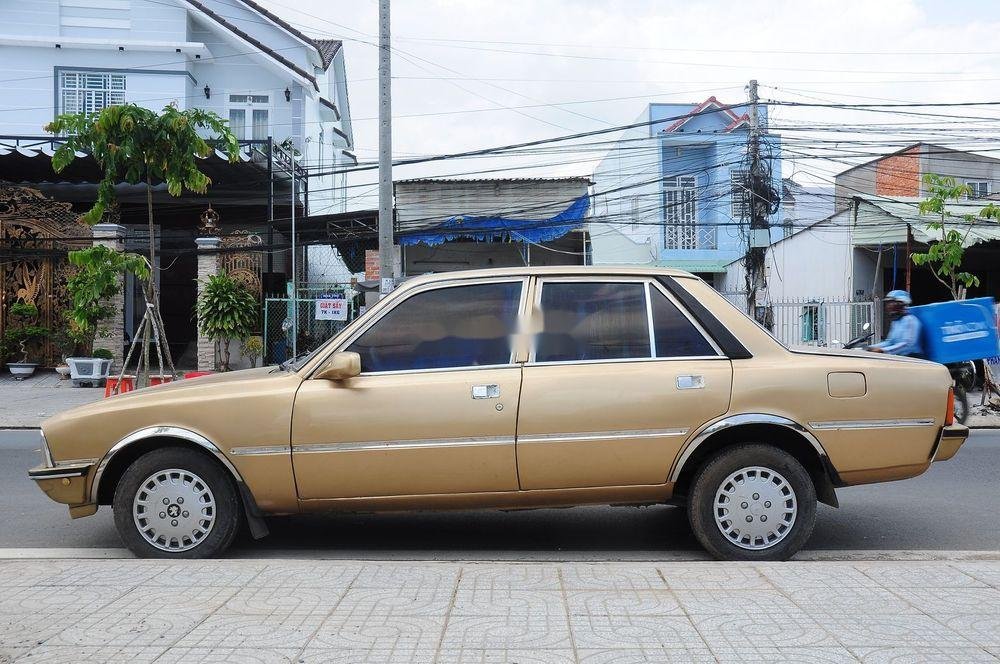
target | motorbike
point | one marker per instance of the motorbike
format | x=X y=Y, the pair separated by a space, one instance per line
x=963 y=375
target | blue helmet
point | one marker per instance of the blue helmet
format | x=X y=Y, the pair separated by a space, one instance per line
x=900 y=296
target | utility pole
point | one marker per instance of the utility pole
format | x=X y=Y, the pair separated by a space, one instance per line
x=386 y=249
x=758 y=209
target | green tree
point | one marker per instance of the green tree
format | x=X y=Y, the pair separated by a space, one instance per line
x=137 y=145
x=944 y=257
x=96 y=281
x=226 y=311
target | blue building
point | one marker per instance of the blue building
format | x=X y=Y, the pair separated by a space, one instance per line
x=672 y=192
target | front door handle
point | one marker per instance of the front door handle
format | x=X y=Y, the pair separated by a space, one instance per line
x=486 y=391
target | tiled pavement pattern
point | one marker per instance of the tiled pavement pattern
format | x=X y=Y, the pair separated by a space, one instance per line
x=532 y=613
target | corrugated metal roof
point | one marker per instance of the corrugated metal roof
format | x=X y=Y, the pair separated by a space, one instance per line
x=884 y=221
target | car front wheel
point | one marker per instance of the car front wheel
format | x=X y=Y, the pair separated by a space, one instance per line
x=176 y=503
x=752 y=502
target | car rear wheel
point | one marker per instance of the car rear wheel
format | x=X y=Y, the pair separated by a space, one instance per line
x=752 y=502
x=176 y=503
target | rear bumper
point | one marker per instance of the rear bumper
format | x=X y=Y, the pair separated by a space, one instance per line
x=949 y=440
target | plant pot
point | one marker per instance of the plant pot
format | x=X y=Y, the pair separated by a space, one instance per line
x=91 y=371
x=63 y=371
x=21 y=370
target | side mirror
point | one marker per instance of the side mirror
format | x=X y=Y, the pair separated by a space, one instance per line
x=341 y=366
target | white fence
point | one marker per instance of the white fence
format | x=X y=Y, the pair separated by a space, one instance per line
x=828 y=323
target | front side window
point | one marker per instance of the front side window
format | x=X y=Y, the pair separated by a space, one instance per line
x=460 y=326
x=90 y=92
x=592 y=321
x=249 y=116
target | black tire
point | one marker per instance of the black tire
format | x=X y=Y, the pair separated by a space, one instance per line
x=708 y=482
x=961 y=404
x=225 y=509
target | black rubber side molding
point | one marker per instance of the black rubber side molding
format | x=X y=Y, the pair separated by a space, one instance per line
x=730 y=345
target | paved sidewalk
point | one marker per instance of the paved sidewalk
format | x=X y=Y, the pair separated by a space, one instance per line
x=25 y=403
x=343 y=611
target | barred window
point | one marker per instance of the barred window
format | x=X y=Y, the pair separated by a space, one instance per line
x=90 y=92
x=739 y=182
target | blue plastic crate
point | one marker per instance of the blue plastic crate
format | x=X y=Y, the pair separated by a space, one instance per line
x=958 y=331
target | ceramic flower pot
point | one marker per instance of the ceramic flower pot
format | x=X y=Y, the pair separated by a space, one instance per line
x=21 y=370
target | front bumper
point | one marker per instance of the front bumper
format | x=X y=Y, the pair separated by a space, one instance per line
x=63 y=481
x=950 y=439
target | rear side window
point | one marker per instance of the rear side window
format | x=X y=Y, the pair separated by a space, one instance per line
x=592 y=321
x=674 y=334
x=461 y=326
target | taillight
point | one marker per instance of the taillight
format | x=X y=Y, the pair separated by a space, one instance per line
x=949 y=414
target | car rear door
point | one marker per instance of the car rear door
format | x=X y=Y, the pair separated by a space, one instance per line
x=618 y=377
x=434 y=410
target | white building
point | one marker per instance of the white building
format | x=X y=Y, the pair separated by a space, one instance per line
x=232 y=57
x=283 y=93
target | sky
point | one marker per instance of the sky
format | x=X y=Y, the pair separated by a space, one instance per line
x=474 y=73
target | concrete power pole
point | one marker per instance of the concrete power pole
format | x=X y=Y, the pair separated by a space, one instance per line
x=386 y=250
x=758 y=208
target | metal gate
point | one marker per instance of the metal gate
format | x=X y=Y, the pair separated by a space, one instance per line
x=824 y=322
x=35 y=235
x=311 y=332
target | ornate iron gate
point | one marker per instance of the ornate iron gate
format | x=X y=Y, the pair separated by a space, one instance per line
x=35 y=235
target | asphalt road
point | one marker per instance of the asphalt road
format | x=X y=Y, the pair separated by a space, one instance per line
x=954 y=506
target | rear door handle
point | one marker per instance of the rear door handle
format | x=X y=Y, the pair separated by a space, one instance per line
x=486 y=391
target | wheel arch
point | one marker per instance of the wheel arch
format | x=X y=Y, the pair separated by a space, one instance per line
x=121 y=455
x=782 y=432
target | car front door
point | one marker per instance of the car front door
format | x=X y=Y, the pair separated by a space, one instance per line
x=618 y=377
x=434 y=410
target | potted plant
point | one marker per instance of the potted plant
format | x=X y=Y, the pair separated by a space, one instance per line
x=97 y=280
x=226 y=311
x=253 y=348
x=23 y=329
x=65 y=343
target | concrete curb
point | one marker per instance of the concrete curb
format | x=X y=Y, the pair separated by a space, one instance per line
x=884 y=555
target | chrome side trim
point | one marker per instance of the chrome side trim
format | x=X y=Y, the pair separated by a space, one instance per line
x=256 y=451
x=872 y=424
x=739 y=420
x=55 y=475
x=600 y=435
x=153 y=432
x=382 y=445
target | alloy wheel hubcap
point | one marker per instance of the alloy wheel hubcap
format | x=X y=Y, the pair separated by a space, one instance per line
x=755 y=508
x=174 y=510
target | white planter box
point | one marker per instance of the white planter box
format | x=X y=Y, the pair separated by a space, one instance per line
x=90 y=371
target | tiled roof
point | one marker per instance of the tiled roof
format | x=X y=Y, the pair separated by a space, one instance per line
x=255 y=42
x=327 y=49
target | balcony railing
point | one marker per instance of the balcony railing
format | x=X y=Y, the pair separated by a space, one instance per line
x=690 y=236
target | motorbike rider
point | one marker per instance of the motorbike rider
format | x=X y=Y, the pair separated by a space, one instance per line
x=904 y=332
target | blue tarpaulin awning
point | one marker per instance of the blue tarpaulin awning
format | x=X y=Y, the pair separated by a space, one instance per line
x=484 y=229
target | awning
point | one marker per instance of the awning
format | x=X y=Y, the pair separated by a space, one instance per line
x=884 y=221
x=484 y=229
x=28 y=161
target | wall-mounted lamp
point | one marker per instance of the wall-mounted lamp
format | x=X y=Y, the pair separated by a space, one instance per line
x=121 y=48
x=208 y=92
x=288 y=94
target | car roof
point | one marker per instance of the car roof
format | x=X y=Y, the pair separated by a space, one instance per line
x=549 y=270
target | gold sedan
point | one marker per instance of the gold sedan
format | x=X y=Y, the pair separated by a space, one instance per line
x=513 y=388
